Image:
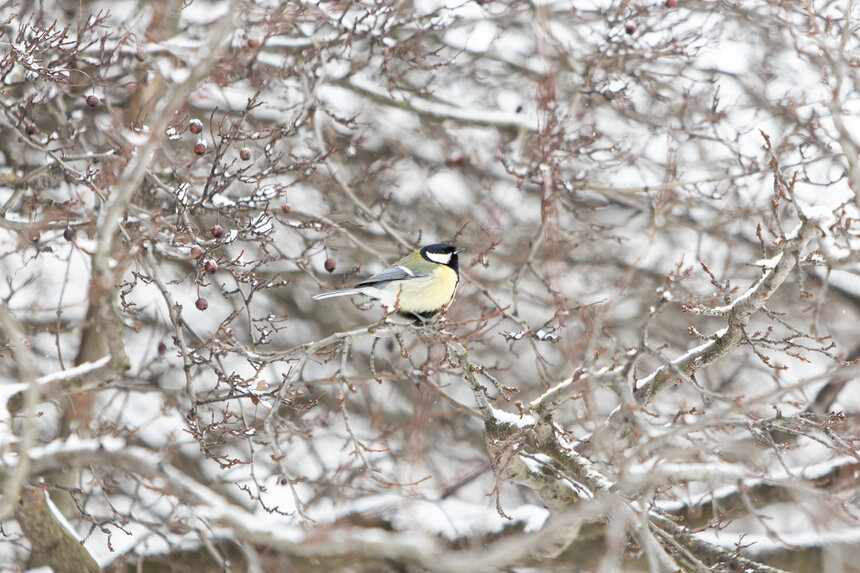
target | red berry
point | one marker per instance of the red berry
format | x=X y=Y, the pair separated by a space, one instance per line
x=200 y=147
x=253 y=43
x=245 y=154
x=92 y=100
x=30 y=129
x=630 y=28
x=202 y=303
x=35 y=235
x=69 y=234
x=196 y=252
x=455 y=160
x=671 y=3
x=162 y=348
x=217 y=231
x=330 y=265
x=519 y=108
x=210 y=267
x=195 y=126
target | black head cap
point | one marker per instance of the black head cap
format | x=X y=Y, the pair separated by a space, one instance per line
x=442 y=253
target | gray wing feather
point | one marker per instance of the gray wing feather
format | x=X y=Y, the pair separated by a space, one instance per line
x=393 y=273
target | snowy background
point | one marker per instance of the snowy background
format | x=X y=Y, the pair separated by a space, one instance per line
x=649 y=364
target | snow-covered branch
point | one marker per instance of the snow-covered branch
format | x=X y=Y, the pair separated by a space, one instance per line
x=738 y=314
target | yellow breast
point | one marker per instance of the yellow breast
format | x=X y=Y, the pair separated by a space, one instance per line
x=430 y=293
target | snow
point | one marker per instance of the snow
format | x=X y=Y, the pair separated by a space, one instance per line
x=823 y=207
x=846 y=280
x=456 y=519
x=659 y=471
x=201 y=13
x=476 y=38
x=58 y=515
x=172 y=73
x=763 y=543
x=726 y=55
x=73 y=442
x=768 y=263
x=517 y=420
x=452 y=190
x=746 y=295
x=75 y=371
x=685 y=356
x=232 y=98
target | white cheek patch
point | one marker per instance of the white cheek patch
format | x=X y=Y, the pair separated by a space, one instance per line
x=441 y=258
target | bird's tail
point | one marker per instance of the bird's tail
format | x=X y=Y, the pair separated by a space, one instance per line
x=339 y=292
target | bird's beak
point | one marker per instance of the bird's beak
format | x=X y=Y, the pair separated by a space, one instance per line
x=459 y=251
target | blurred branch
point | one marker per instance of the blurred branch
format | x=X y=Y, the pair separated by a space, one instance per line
x=558 y=490
x=339 y=176
x=52 y=542
x=27 y=373
x=439 y=110
x=824 y=481
x=423 y=550
x=81 y=378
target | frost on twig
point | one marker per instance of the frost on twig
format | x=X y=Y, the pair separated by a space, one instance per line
x=737 y=314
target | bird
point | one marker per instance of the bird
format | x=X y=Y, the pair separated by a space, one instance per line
x=418 y=286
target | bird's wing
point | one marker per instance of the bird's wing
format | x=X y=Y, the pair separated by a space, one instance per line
x=392 y=273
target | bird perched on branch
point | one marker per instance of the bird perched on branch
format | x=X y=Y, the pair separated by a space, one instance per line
x=418 y=286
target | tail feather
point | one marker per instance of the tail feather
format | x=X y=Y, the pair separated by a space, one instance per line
x=339 y=292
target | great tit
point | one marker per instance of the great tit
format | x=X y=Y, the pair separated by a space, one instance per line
x=418 y=286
